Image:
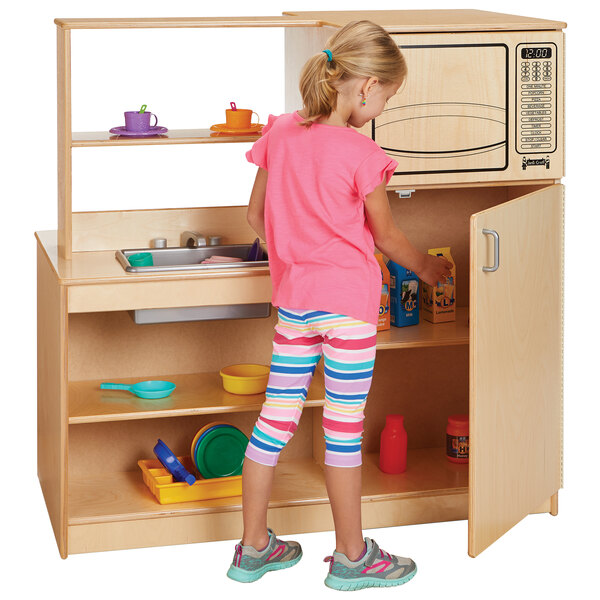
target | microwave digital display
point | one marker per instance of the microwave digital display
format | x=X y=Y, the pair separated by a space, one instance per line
x=531 y=53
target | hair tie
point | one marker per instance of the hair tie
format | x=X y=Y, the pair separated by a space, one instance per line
x=329 y=56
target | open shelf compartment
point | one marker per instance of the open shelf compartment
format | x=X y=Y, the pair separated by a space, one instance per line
x=301 y=481
x=196 y=393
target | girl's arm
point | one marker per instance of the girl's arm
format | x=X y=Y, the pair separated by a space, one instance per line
x=256 y=206
x=395 y=245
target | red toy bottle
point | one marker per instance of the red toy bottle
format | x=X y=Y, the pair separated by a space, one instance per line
x=394 y=442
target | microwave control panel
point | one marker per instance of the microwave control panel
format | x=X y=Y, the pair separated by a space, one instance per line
x=535 y=114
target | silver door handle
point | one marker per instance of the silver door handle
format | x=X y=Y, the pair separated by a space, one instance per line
x=496 y=250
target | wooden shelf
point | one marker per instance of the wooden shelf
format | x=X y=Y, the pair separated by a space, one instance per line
x=203 y=393
x=124 y=496
x=425 y=334
x=173 y=136
x=195 y=394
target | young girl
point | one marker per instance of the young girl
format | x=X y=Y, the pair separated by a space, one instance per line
x=319 y=200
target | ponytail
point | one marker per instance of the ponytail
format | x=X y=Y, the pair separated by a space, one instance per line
x=360 y=49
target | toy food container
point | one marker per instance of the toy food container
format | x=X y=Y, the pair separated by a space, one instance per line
x=439 y=302
x=383 y=322
x=404 y=295
x=457 y=439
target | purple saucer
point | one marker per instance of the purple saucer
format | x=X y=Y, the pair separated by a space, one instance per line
x=152 y=131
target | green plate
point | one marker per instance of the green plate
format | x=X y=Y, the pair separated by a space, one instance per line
x=220 y=453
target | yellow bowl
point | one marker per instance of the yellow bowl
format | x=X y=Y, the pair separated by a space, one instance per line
x=245 y=378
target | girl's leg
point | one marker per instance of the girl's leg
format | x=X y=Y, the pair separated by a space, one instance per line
x=344 y=490
x=349 y=355
x=296 y=352
x=257 y=481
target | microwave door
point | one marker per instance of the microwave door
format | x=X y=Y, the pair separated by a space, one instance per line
x=451 y=115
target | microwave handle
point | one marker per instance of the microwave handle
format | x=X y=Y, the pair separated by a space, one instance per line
x=496 y=250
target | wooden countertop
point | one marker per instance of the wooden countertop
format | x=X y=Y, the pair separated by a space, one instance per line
x=397 y=21
x=102 y=267
x=402 y=21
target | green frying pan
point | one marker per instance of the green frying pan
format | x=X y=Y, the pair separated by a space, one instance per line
x=143 y=389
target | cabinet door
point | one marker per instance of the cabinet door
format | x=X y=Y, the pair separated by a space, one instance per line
x=515 y=386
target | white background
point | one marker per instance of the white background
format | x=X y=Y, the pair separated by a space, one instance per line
x=188 y=78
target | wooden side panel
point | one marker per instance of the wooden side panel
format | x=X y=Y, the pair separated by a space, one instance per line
x=515 y=363
x=51 y=396
x=300 y=44
x=64 y=141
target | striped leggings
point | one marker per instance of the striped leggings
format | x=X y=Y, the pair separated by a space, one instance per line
x=348 y=346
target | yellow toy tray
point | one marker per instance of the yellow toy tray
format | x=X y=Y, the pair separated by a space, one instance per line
x=167 y=491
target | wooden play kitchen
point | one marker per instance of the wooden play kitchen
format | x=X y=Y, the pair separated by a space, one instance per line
x=479 y=136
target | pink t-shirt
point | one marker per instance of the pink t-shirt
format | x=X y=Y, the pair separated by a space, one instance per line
x=321 y=250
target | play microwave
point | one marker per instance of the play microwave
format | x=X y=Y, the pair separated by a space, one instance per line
x=476 y=107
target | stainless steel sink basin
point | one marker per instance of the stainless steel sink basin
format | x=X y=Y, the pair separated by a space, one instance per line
x=184 y=259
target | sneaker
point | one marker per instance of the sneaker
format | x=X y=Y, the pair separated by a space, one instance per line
x=250 y=564
x=377 y=568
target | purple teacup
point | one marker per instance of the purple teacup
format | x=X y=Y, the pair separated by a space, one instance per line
x=136 y=121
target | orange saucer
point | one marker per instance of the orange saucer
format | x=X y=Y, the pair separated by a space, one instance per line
x=222 y=127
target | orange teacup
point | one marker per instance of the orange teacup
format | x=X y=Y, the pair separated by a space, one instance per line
x=240 y=118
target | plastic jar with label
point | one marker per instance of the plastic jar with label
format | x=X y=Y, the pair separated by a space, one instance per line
x=457 y=439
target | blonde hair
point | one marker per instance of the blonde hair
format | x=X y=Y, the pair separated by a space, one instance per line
x=360 y=49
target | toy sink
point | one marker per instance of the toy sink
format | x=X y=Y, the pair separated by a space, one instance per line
x=184 y=259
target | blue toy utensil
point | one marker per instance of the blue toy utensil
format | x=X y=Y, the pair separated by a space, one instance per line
x=171 y=463
x=143 y=389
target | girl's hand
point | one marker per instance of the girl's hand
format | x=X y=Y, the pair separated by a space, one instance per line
x=434 y=269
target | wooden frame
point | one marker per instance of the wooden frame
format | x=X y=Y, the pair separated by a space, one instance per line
x=100 y=342
x=64 y=143
x=85 y=335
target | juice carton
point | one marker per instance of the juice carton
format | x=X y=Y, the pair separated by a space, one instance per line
x=404 y=295
x=384 y=307
x=439 y=302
